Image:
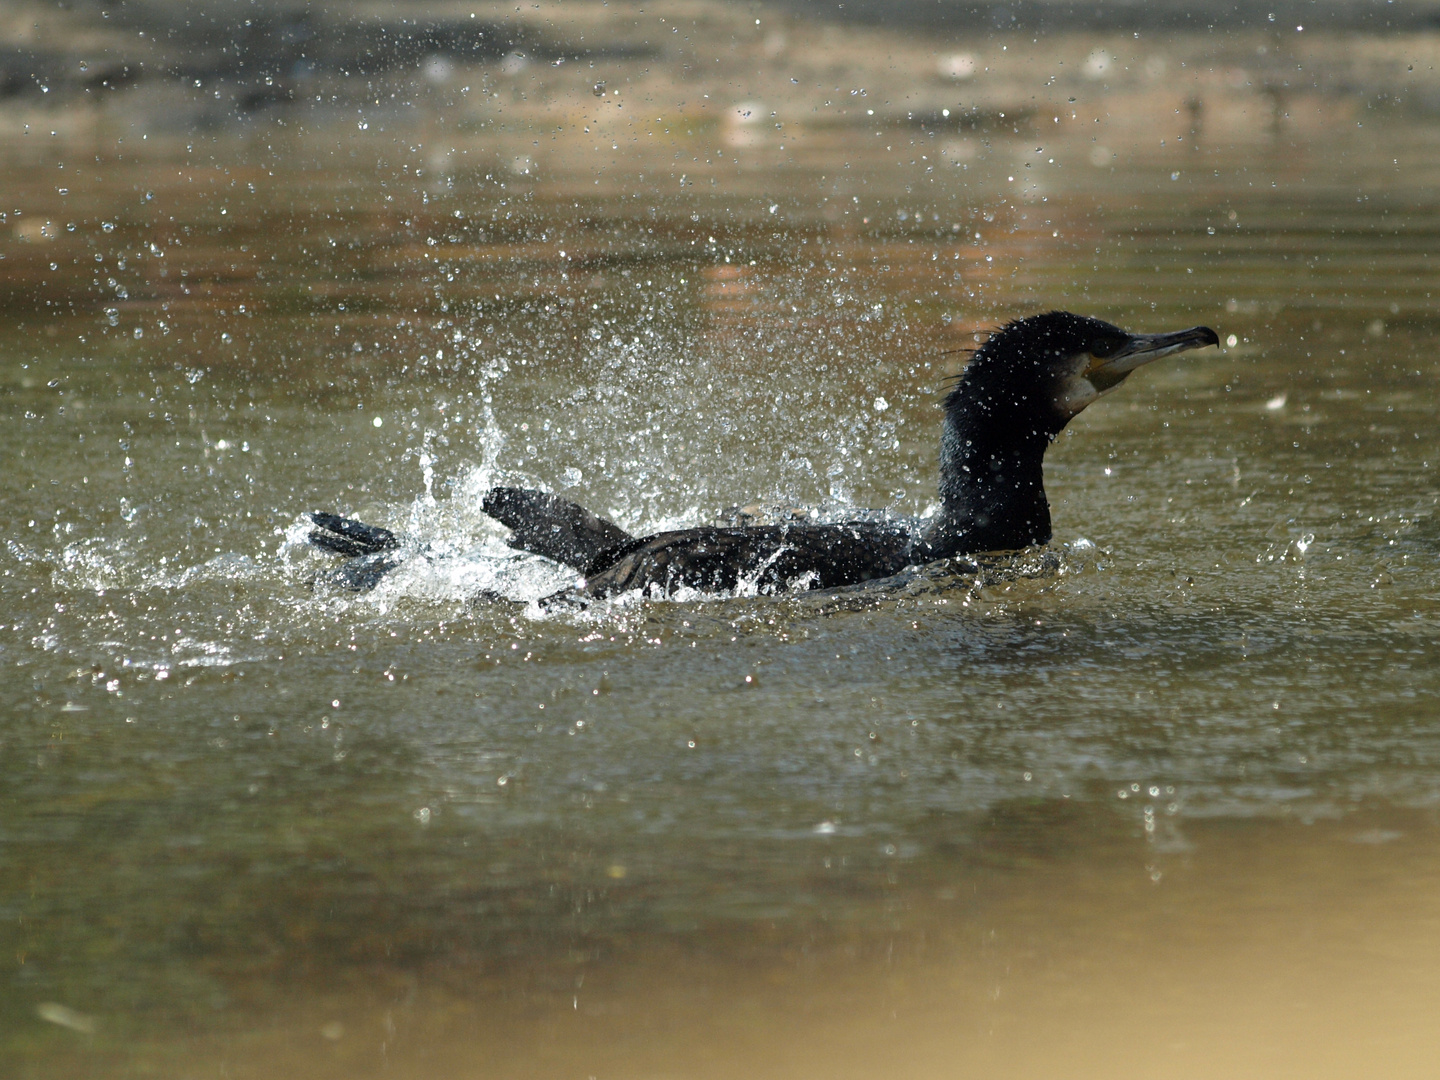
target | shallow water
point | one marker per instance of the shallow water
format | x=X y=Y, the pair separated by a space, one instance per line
x=1160 y=800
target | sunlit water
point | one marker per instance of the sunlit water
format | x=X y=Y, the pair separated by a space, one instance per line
x=1158 y=800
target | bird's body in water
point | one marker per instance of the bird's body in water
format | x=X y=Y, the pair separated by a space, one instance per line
x=1020 y=389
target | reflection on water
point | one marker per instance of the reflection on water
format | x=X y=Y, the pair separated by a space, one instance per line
x=1159 y=799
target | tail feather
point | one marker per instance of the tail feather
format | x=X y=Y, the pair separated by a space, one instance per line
x=545 y=524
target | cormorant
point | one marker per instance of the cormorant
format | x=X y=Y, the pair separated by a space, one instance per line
x=1020 y=389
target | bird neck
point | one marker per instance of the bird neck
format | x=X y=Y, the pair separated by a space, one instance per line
x=992 y=489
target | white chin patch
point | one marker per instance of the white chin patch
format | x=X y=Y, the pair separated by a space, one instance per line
x=1076 y=393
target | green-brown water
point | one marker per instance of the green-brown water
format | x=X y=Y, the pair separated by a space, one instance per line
x=1162 y=806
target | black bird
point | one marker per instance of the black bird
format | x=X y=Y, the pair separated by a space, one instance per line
x=1020 y=389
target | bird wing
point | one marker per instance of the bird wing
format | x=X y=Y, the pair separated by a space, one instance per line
x=346 y=536
x=545 y=524
x=771 y=558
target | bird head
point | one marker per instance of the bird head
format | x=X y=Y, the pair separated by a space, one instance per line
x=1043 y=370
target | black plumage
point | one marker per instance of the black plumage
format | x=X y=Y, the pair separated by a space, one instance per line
x=1020 y=389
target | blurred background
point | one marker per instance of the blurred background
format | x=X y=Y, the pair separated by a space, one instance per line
x=387 y=119
x=793 y=112
x=475 y=72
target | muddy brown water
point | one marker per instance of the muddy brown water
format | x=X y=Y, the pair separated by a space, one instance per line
x=1159 y=801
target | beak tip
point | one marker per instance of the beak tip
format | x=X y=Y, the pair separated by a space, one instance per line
x=1207 y=336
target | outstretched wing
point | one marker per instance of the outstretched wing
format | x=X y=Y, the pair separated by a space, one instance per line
x=546 y=524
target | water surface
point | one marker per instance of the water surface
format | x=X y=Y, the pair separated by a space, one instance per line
x=1160 y=799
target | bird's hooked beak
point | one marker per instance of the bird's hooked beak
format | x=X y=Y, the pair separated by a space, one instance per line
x=1107 y=372
x=1095 y=375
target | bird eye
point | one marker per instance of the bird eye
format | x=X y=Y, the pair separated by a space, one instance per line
x=1106 y=347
